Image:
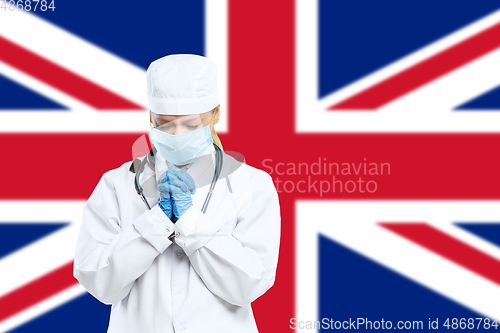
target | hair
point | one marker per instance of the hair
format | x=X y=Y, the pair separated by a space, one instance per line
x=215 y=137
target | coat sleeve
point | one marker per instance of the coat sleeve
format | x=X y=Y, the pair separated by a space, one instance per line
x=110 y=257
x=236 y=260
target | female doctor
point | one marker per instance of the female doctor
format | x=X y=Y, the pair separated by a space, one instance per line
x=172 y=262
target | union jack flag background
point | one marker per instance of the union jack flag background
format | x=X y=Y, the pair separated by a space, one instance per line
x=378 y=120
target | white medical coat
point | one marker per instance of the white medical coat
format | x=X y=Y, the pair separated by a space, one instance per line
x=202 y=282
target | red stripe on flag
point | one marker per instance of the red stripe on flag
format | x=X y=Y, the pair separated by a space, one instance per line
x=36 y=291
x=423 y=72
x=68 y=166
x=61 y=166
x=451 y=248
x=62 y=79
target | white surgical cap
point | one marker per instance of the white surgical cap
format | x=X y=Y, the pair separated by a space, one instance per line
x=182 y=84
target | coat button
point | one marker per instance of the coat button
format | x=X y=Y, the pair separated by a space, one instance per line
x=180 y=290
x=178 y=253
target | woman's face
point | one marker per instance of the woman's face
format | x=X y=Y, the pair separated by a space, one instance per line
x=182 y=124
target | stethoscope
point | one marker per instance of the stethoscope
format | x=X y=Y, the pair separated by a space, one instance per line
x=150 y=161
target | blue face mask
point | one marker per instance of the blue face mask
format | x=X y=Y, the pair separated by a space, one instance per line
x=183 y=148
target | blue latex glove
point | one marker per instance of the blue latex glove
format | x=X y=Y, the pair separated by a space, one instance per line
x=165 y=202
x=166 y=206
x=180 y=185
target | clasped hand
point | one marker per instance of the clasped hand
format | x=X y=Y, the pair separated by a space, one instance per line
x=176 y=188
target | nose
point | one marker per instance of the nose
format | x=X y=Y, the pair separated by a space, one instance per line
x=179 y=129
